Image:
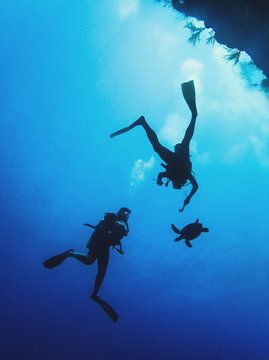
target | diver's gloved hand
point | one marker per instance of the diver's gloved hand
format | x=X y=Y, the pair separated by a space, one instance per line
x=159 y=182
x=186 y=202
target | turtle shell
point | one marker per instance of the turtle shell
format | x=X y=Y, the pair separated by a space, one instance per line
x=191 y=231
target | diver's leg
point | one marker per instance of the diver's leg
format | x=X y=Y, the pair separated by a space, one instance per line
x=189 y=132
x=102 y=261
x=85 y=259
x=162 y=151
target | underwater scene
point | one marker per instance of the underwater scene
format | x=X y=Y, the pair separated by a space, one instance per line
x=134 y=186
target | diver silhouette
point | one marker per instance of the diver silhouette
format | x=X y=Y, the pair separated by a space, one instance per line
x=108 y=232
x=178 y=167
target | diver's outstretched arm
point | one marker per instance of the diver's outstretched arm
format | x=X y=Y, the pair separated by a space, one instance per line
x=118 y=249
x=161 y=175
x=193 y=191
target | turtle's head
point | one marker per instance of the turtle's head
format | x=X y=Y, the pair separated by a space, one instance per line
x=205 y=229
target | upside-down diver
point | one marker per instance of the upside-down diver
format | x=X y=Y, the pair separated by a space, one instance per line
x=178 y=167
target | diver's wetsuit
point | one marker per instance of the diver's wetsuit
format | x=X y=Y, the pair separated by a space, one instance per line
x=178 y=165
x=107 y=233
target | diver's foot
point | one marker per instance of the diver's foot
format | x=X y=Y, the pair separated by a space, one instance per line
x=192 y=106
x=194 y=113
x=68 y=252
x=94 y=296
x=140 y=121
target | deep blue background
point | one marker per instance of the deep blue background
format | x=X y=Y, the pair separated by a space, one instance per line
x=71 y=73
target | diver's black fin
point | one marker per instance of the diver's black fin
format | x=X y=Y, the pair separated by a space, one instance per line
x=188 y=91
x=106 y=307
x=188 y=243
x=56 y=260
x=175 y=229
x=121 y=131
x=127 y=128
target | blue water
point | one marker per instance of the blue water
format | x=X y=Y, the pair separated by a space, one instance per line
x=72 y=73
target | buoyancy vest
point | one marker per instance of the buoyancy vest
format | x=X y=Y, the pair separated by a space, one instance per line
x=179 y=168
x=108 y=232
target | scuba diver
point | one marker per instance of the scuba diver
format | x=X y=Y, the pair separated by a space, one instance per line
x=178 y=167
x=108 y=232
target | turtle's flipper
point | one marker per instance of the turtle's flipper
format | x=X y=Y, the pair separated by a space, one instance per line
x=188 y=243
x=175 y=229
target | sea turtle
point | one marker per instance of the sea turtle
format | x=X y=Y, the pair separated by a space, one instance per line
x=189 y=232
